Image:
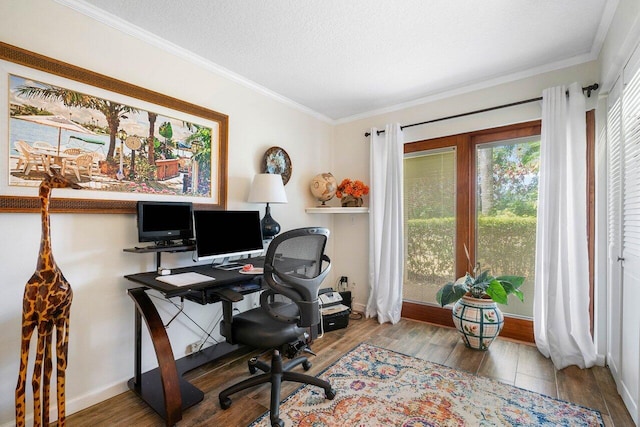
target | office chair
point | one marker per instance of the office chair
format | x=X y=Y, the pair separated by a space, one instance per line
x=293 y=267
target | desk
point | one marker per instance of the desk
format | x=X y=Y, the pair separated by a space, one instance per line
x=163 y=388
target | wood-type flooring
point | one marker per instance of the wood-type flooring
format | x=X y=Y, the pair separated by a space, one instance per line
x=515 y=363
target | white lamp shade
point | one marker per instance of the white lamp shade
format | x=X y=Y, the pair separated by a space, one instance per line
x=267 y=188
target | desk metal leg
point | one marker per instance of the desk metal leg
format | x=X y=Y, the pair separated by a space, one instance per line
x=166 y=363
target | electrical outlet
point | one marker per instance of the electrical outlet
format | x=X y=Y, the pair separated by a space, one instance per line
x=344 y=283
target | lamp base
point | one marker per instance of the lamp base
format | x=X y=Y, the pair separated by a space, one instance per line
x=270 y=226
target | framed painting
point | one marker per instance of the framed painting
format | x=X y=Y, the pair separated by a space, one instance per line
x=121 y=143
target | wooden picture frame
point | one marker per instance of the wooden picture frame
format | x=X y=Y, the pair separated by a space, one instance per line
x=15 y=61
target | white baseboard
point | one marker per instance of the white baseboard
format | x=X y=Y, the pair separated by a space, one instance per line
x=360 y=308
x=76 y=404
x=83 y=402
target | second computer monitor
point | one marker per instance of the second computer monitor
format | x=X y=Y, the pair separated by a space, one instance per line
x=163 y=222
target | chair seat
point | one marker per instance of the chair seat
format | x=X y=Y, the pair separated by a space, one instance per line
x=257 y=329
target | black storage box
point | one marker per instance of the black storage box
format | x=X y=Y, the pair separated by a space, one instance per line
x=336 y=308
x=340 y=320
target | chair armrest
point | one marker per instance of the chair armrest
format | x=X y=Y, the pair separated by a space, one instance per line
x=227 y=295
x=265 y=304
x=227 y=298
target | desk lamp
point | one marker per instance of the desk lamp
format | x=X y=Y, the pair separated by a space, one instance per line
x=268 y=188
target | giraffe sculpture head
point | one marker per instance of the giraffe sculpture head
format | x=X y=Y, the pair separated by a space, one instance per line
x=55 y=179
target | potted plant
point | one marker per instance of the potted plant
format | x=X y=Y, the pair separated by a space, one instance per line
x=476 y=314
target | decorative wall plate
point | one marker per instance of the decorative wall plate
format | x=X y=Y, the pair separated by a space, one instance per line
x=276 y=160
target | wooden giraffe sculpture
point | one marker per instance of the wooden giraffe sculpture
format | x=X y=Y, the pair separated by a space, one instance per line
x=46 y=304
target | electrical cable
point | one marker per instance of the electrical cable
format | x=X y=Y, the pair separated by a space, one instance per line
x=355 y=316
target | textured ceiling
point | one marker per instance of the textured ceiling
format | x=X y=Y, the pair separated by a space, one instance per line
x=344 y=58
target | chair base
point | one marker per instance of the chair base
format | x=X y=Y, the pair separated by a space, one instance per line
x=276 y=374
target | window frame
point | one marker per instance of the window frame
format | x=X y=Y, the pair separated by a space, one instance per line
x=465 y=145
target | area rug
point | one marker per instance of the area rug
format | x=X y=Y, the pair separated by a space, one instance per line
x=379 y=387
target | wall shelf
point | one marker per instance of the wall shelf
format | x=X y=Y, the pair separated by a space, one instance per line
x=338 y=210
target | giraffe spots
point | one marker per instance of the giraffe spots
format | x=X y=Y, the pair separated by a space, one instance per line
x=48 y=277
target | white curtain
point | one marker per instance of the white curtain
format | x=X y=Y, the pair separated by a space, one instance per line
x=561 y=301
x=386 y=243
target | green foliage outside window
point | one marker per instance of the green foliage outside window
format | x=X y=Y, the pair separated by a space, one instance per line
x=507 y=241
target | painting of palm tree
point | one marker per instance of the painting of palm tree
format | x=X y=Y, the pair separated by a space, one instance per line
x=133 y=150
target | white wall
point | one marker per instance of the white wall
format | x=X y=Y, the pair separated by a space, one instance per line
x=351 y=148
x=88 y=248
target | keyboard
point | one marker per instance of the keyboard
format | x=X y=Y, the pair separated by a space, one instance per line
x=185 y=279
x=169 y=245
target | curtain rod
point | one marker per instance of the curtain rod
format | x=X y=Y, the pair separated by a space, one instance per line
x=587 y=89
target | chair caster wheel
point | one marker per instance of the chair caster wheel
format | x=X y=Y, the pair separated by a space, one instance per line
x=306 y=365
x=225 y=403
x=277 y=423
x=251 y=363
x=330 y=394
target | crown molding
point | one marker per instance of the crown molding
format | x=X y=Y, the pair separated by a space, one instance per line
x=474 y=86
x=119 y=24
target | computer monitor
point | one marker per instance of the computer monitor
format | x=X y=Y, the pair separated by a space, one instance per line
x=163 y=222
x=224 y=234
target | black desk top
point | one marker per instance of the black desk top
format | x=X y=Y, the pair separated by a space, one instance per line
x=219 y=278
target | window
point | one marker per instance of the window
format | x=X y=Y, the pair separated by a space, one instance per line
x=430 y=226
x=505 y=214
x=493 y=174
x=477 y=190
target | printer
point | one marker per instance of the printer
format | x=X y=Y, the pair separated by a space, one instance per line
x=335 y=308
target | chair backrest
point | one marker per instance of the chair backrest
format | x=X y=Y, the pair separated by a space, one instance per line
x=24 y=149
x=84 y=160
x=294 y=266
x=97 y=156
x=20 y=147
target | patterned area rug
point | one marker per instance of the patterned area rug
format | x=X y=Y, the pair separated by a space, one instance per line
x=378 y=387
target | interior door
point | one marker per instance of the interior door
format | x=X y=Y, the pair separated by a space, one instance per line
x=623 y=142
x=614 y=231
x=631 y=240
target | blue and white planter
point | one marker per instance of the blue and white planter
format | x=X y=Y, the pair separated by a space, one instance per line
x=479 y=321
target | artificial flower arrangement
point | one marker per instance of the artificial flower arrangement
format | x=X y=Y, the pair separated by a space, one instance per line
x=351 y=188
